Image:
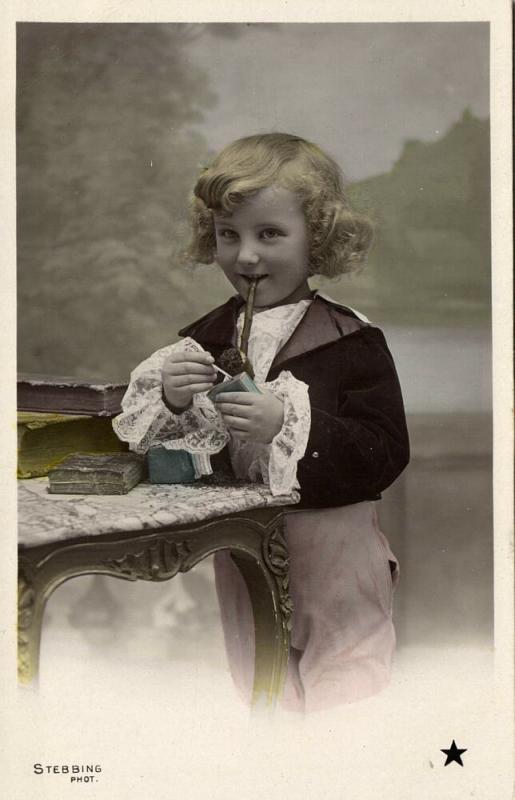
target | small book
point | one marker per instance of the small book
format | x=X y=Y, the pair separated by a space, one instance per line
x=69 y=395
x=97 y=474
x=45 y=439
x=170 y=466
x=240 y=383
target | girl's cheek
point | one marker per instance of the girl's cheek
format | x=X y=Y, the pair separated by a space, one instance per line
x=221 y=253
x=222 y=262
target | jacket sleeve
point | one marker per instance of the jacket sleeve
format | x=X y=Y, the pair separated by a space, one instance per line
x=356 y=453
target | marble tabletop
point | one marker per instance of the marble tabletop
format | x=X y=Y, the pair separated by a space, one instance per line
x=44 y=517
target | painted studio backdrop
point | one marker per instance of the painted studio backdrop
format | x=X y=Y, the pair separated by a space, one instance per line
x=114 y=122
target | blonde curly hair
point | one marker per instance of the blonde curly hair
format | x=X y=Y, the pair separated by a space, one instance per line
x=339 y=238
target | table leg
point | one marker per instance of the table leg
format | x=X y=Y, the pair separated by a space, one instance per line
x=271 y=640
x=267 y=581
x=31 y=605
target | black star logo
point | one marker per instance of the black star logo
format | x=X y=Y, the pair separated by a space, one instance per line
x=454 y=754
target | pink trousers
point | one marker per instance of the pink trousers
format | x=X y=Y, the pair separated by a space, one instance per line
x=342 y=578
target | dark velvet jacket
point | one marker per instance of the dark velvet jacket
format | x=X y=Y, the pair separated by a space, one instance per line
x=358 y=442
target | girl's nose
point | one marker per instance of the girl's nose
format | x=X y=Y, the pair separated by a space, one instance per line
x=247 y=254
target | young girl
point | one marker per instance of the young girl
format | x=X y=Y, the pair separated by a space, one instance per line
x=329 y=420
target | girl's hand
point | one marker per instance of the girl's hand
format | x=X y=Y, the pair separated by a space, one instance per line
x=184 y=374
x=250 y=416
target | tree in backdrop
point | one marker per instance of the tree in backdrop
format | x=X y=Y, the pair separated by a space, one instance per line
x=106 y=160
x=431 y=262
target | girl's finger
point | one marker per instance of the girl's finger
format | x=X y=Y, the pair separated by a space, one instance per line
x=236 y=423
x=188 y=367
x=235 y=410
x=240 y=398
x=181 y=381
x=201 y=387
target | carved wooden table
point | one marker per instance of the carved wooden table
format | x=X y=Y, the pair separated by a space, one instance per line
x=152 y=534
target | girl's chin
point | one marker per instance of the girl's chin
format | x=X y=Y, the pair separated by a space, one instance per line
x=268 y=296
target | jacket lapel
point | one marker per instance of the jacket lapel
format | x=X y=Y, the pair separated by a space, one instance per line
x=317 y=328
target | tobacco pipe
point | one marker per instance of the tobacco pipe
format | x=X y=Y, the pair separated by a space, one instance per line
x=235 y=360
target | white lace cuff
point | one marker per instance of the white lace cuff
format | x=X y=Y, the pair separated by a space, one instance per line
x=207 y=436
x=289 y=445
x=146 y=421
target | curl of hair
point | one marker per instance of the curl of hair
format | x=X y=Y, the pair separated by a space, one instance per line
x=339 y=238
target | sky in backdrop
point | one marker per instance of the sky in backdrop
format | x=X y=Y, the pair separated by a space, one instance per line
x=327 y=82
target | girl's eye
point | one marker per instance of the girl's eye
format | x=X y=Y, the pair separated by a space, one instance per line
x=226 y=233
x=270 y=233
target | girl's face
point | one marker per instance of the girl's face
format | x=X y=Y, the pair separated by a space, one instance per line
x=265 y=237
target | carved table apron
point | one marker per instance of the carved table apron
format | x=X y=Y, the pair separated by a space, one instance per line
x=255 y=538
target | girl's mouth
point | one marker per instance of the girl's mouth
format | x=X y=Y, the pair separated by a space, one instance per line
x=256 y=278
